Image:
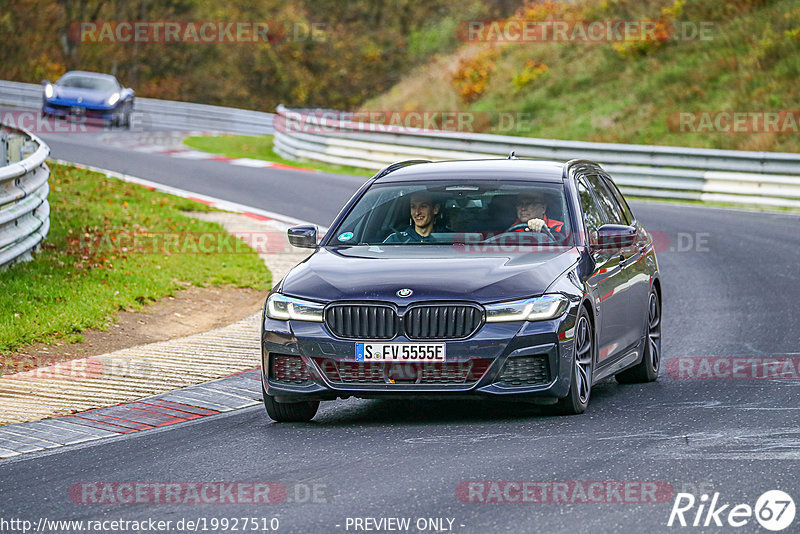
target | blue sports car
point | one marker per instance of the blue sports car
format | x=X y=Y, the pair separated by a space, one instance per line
x=89 y=95
x=508 y=279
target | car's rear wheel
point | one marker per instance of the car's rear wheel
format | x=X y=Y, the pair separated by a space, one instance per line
x=289 y=412
x=647 y=369
x=580 y=387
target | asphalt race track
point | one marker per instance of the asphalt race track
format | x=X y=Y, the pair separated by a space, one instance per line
x=730 y=291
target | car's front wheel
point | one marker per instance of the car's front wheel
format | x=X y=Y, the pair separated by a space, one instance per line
x=647 y=369
x=289 y=412
x=580 y=387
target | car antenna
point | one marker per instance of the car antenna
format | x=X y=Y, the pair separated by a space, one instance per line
x=513 y=155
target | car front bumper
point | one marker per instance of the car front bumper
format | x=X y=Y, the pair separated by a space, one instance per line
x=519 y=360
x=98 y=113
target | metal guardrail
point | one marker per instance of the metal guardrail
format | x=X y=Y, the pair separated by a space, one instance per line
x=24 y=210
x=731 y=176
x=152 y=112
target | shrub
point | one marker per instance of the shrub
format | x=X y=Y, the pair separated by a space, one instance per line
x=532 y=71
x=472 y=75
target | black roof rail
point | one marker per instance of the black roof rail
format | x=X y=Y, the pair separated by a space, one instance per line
x=399 y=165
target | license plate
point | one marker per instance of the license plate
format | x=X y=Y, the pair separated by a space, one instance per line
x=77 y=110
x=400 y=352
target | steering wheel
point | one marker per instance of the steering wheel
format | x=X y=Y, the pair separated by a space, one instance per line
x=519 y=226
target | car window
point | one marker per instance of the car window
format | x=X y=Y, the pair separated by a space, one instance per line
x=592 y=216
x=605 y=202
x=621 y=202
x=88 y=82
x=455 y=211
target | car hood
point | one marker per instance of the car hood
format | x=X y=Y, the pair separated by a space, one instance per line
x=70 y=95
x=431 y=272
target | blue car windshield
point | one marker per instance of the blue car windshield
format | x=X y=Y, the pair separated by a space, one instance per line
x=458 y=212
x=93 y=83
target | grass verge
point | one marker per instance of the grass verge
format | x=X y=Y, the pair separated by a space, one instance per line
x=245 y=146
x=636 y=91
x=114 y=245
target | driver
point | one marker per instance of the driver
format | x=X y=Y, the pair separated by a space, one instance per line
x=531 y=208
x=423 y=214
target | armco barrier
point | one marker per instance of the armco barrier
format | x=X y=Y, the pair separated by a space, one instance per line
x=24 y=211
x=731 y=176
x=150 y=112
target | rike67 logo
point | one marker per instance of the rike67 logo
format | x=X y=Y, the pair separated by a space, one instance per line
x=774 y=511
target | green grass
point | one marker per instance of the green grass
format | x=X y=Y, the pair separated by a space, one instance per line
x=244 y=146
x=592 y=92
x=113 y=245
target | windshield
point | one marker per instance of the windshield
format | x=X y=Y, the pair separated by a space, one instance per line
x=460 y=211
x=88 y=82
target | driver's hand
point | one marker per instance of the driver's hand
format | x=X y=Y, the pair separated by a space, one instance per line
x=536 y=225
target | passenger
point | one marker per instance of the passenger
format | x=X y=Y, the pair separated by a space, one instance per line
x=531 y=210
x=423 y=216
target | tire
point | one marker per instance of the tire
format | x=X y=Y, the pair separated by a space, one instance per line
x=647 y=369
x=127 y=115
x=580 y=387
x=289 y=412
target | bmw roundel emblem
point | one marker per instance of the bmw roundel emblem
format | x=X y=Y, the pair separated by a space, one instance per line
x=405 y=292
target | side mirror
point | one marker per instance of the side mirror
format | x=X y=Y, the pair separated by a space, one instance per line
x=615 y=237
x=303 y=236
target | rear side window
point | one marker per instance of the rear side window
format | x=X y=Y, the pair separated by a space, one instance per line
x=623 y=204
x=607 y=204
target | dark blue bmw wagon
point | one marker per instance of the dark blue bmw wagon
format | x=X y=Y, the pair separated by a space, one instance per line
x=527 y=281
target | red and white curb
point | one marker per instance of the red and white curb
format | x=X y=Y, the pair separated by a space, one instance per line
x=240 y=390
x=176 y=149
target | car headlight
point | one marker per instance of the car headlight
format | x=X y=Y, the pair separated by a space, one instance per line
x=49 y=91
x=533 y=309
x=284 y=308
x=113 y=99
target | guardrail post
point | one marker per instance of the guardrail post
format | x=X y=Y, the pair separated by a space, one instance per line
x=3 y=149
x=27 y=148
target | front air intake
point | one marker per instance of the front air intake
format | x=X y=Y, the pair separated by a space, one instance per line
x=525 y=371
